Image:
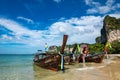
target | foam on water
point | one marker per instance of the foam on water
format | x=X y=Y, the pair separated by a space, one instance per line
x=85 y=66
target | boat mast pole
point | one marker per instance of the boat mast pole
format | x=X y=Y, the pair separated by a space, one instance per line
x=65 y=37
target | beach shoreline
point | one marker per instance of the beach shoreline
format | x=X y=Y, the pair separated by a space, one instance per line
x=107 y=70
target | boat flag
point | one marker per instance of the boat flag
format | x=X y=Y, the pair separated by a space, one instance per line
x=62 y=62
x=108 y=45
x=78 y=48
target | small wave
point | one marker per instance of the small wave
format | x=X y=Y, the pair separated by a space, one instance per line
x=106 y=62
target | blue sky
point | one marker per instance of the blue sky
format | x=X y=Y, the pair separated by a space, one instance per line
x=26 y=25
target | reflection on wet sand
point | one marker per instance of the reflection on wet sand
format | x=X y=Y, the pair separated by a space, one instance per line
x=108 y=70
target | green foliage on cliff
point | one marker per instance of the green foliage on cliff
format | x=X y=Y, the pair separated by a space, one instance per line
x=98 y=39
x=115 y=48
x=112 y=22
x=96 y=48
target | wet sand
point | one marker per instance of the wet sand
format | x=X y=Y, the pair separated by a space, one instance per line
x=108 y=70
x=113 y=70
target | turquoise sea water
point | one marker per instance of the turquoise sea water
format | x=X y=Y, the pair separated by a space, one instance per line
x=16 y=67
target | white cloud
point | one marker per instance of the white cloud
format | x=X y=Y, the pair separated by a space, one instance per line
x=20 y=33
x=57 y=1
x=110 y=2
x=87 y=2
x=84 y=20
x=83 y=29
x=4 y=36
x=96 y=7
x=26 y=19
x=118 y=5
x=115 y=15
x=93 y=10
x=104 y=9
x=17 y=29
x=92 y=3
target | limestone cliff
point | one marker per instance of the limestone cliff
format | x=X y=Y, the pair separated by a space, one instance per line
x=111 y=29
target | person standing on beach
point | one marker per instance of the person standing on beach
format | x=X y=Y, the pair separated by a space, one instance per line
x=46 y=46
x=107 y=46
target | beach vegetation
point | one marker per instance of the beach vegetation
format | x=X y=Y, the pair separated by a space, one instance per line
x=115 y=48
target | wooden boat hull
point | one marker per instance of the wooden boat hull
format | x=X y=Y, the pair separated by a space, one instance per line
x=51 y=61
x=97 y=58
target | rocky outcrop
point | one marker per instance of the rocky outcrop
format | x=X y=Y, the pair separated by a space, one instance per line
x=111 y=29
x=114 y=35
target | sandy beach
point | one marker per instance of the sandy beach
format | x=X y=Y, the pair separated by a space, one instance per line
x=109 y=69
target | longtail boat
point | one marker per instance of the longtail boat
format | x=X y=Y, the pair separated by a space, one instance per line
x=97 y=57
x=50 y=60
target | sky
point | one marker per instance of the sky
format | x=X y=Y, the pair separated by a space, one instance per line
x=26 y=25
